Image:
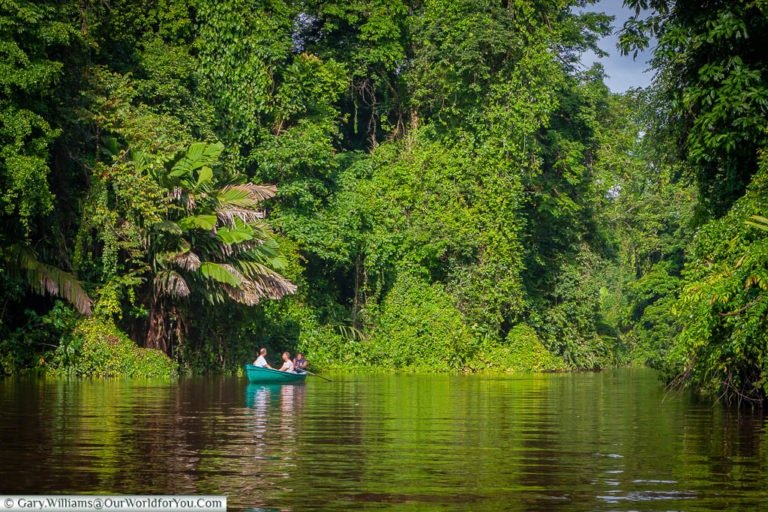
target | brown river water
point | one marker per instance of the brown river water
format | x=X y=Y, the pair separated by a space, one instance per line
x=606 y=441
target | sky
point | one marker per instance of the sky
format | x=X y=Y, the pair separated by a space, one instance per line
x=623 y=72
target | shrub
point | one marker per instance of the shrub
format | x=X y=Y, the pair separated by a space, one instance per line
x=43 y=337
x=102 y=350
x=419 y=327
x=326 y=348
x=523 y=351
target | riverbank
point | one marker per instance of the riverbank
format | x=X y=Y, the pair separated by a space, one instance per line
x=99 y=349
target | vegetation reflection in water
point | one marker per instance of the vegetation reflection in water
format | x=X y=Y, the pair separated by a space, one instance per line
x=604 y=441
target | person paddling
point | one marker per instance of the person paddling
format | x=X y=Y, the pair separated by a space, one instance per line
x=261 y=361
x=287 y=363
x=300 y=364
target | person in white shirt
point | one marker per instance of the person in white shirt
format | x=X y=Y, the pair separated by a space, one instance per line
x=287 y=363
x=261 y=361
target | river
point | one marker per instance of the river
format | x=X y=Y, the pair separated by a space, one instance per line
x=614 y=440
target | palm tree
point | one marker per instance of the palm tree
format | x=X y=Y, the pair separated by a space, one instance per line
x=213 y=242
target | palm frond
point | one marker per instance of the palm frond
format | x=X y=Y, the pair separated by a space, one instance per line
x=168 y=257
x=242 y=295
x=229 y=215
x=206 y=222
x=235 y=196
x=352 y=333
x=169 y=283
x=221 y=273
x=266 y=252
x=205 y=176
x=255 y=193
x=232 y=270
x=48 y=279
x=273 y=285
x=252 y=269
x=198 y=155
x=187 y=261
x=235 y=235
x=167 y=226
x=759 y=222
x=241 y=250
x=258 y=282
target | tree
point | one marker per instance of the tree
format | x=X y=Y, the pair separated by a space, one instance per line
x=645 y=209
x=456 y=142
x=712 y=90
x=32 y=36
x=712 y=72
x=723 y=305
x=212 y=242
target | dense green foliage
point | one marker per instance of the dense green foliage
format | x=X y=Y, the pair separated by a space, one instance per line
x=100 y=349
x=724 y=303
x=711 y=96
x=433 y=164
x=521 y=351
x=711 y=66
x=444 y=187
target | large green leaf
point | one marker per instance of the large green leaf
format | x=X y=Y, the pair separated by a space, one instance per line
x=219 y=273
x=167 y=226
x=198 y=155
x=206 y=222
x=205 y=176
x=235 y=235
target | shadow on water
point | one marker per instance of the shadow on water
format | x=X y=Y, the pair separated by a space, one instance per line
x=608 y=441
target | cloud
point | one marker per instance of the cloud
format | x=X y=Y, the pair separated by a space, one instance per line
x=623 y=72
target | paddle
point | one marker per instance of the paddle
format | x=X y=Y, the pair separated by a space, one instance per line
x=316 y=375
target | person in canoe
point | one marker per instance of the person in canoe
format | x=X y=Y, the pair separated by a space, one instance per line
x=261 y=361
x=300 y=364
x=287 y=363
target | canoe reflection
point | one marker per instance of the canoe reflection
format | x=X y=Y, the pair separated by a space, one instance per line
x=276 y=408
x=274 y=413
x=290 y=397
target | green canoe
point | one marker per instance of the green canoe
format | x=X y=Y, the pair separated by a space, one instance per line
x=269 y=376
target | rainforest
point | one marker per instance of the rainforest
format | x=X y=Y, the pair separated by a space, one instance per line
x=421 y=186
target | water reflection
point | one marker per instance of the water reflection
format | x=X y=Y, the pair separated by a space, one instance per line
x=608 y=441
x=276 y=410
